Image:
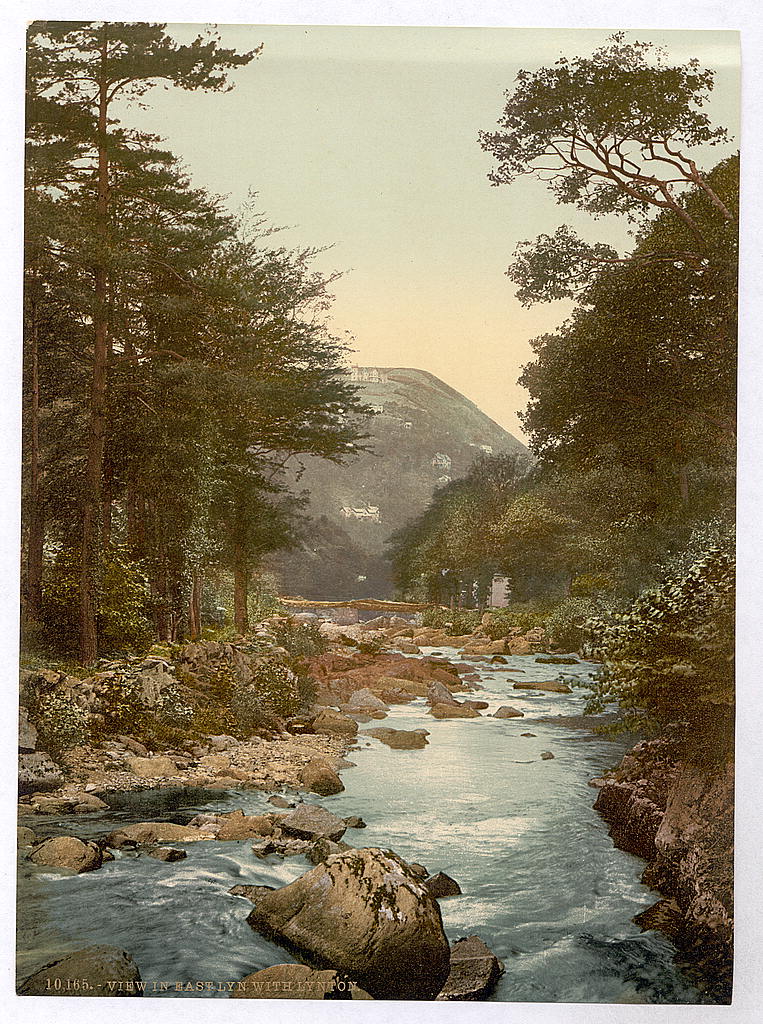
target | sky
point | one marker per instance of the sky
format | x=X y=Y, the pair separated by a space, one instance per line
x=365 y=140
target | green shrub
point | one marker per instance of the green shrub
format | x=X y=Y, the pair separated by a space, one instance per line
x=301 y=639
x=456 y=621
x=171 y=710
x=522 y=615
x=121 y=705
x=122 y=603
x=274 y=690
x=565 y=624
x=60 y=723
x=668 y=658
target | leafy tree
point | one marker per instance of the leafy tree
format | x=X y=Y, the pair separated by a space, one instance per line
x=85 y=67
x=610 y=133
x=650 y=350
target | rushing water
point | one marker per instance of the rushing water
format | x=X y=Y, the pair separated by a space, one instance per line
x=542 y=883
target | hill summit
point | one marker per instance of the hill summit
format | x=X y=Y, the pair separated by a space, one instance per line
x=423 y=434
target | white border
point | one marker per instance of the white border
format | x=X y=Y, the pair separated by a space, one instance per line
x=640 y=14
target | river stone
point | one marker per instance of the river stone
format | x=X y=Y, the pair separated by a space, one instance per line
x=215 y=763
x=546 y=755
x=323 y=848
x=38 y=772
x=478 y=705
x=152 y=767
x=320 y=778
x=57 y=805
x=279 y=801
x=406 y=646
x=333 y=723
x=250 y=892
x=311 y=821
x=296 y=981
x=396 y=684
x=453 y=711
x=27 y=733
x=152 y=833
x=474 y=971
x=520 y=646
x=25 y=836
x=95 y=971
x=441 y=886
x=438 y=693
x=391 y=940
x=67 y=852
x=354 y=821
x=550 y=685
x=556 y=659
x=168 y=854
x=365 y=700
x=245 y=826
x=507 y=712
x=132 y=744
x=400 y=739
x=88 y=803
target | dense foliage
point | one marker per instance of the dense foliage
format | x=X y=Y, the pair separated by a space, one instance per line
x=668 y=658
x=175 y=357
x=631 y=415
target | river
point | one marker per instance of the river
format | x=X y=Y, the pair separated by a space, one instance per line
x=542 y=883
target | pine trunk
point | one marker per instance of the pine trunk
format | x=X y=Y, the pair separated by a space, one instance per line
x=88 y=640
x=35 y=518
x=240 y=592
x=194 y=611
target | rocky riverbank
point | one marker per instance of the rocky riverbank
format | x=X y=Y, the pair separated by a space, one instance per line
x=679 y=816
x=671 y=814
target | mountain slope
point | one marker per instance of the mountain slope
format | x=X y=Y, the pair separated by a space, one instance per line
x=423 y=433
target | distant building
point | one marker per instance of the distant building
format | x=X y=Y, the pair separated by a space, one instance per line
x=442 y=460
x=499 y=592
x=368 y=375
x=442 y=480
x=371 y=512
x=486 y=448
x=376 y=409
x=408 y=425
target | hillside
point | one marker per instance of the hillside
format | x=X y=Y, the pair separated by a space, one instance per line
x=424 y=433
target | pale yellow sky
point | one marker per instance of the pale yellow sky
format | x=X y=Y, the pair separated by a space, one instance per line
x=365 y=139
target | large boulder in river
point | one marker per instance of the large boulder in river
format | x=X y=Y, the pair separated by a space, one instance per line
x=67 y=852
x=311 y=821
x=95 y=971
x=400 y=739
x=296 y=981
x=333 y=723
x=550 y=685
x=366 y=915
x=474 y=971
x=453 y=711
x=320 y=778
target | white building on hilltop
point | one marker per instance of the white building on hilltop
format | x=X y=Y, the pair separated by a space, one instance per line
x=368 y=375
